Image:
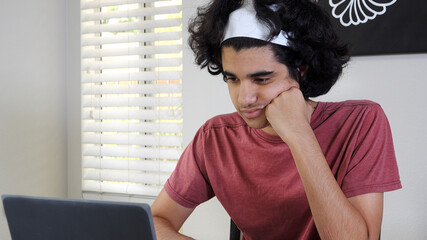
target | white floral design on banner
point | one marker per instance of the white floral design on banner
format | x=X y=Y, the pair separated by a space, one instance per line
x=355 y=12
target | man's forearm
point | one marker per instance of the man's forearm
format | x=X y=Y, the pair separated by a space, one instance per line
x=165 y=230
x=334 y=216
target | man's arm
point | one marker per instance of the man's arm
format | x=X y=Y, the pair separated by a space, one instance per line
x=371 y=207
x=168 y=217
x=335 y=216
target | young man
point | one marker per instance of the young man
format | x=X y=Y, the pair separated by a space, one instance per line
x=283 y=166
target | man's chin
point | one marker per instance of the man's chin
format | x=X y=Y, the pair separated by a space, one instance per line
x=257 y=123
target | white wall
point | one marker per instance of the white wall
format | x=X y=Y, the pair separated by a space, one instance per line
x=73 y=99
x=397 y=82
x=32 y=100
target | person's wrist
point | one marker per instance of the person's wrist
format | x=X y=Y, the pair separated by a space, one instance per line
x=295 y=133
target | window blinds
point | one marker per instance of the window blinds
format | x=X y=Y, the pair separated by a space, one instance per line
x=131 y=53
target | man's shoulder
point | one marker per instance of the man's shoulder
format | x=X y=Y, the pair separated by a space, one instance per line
x=230 y=120
x=350 y=110
x=351 y=105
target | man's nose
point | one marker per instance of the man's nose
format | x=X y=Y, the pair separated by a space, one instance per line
x=247 y=93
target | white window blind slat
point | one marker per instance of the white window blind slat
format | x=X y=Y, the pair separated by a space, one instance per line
x=121 y=188
x=149 y=11
x=90 y=89
x=125 y=164
x=148 y=63
x=131 y=127
x=131 y=101
x=128 y=139
x=97 y=53
x=131 y=114
x=131 y=152
x=121 y=27
x=142 y=37
x=88 y=4
x=138 y=76
x=131 y=79
x=124 y=176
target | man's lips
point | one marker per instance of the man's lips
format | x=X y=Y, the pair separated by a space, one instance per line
x=252 y=113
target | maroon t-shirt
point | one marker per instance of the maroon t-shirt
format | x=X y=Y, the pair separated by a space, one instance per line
x=254 y=176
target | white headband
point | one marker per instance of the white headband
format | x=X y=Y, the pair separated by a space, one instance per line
x=243 y=23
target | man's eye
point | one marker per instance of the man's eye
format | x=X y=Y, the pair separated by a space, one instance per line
x=230 y=79
x=262 y=80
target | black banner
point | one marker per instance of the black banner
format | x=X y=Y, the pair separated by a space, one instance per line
x=374 y=27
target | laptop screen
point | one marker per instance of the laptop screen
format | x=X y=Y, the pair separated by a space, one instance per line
x=53 y=218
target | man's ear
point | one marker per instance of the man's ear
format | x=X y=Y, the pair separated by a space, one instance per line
x=302 y=69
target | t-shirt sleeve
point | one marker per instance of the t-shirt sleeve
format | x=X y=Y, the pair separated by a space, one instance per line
x=188 y=185
x=373 y=166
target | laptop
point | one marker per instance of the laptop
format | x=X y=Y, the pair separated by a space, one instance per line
x=44 y=218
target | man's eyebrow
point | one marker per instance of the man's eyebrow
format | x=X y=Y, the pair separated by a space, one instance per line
x=225 y=73
x=260 y=73
x=251 y=75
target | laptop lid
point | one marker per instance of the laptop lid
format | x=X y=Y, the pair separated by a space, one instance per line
x=54 y=218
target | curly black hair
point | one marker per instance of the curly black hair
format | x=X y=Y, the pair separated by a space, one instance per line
x=313 y=43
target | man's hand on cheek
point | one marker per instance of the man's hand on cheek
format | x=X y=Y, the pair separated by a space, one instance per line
x=289 y=114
